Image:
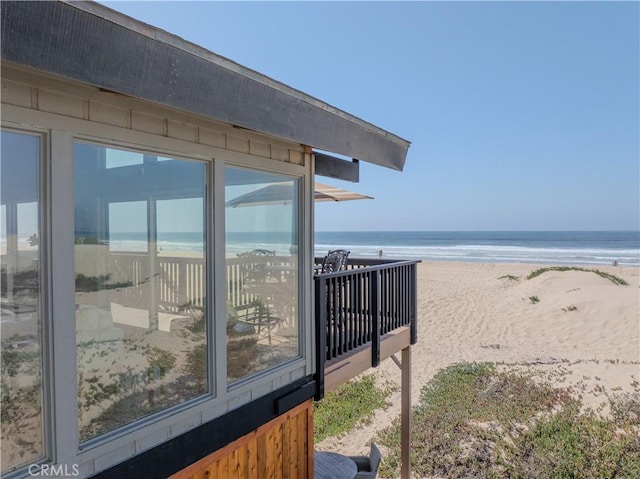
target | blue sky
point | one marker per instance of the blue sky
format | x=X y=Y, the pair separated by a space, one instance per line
x=522 y=116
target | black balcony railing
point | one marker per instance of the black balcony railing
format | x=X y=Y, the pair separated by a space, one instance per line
x=355 y=308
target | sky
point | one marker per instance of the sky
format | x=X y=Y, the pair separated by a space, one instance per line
x=521 y=115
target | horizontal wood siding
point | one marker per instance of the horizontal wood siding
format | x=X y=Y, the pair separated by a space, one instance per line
x=281 y=449
x=31 y=90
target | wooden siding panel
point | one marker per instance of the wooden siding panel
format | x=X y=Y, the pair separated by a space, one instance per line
x=252 y=455
x=277 y=451
x=186 y=425
x=25 y=88
x=279 y=153
x=223 y=467
x=282 y=448
x=213 y=138
x=114 y=457
x=238 y=463
x=148 y=123
x=296 y=157
x=151 y=440
x=16 y=94
x=257 y=148
x=263 y=457
x=309 y=443
x=59 y=103
x=237 y=143
x=109 y=114
x=182 y=131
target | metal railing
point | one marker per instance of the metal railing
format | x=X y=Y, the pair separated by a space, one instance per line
x=356 y=307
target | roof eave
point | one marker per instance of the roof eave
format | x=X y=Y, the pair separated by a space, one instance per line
x=90 y=43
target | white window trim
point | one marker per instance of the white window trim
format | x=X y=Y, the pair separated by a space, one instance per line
x=130 y=440
x=47 y=385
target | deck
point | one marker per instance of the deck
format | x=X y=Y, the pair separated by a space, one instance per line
x=363 y=315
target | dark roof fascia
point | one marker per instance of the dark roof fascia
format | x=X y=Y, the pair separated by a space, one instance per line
x=92 y=44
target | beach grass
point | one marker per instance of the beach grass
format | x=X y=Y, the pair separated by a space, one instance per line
x=347 y=406
x=475 y=420
x=614 y=279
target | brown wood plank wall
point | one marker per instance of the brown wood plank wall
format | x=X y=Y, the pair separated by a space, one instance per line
x=280 y=449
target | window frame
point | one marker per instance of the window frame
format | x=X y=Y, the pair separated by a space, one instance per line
x=144 y=421
x=243 y=385
x=60 y=133
x=45 y=292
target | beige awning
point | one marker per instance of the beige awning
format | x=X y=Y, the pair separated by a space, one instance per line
x=332 y=193
x=281 y=194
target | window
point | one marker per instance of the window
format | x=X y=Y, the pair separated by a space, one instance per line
x=141 y=296
x=120 y=329
x=22 y=425
x=262 y=268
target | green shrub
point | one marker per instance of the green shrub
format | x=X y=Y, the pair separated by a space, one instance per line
x=474 y=421
x=347 y=406
x=614 y=279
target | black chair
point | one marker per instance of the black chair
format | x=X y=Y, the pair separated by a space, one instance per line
x=257 y=315
x=255 y=262
x=368 y=465
x=336 y=260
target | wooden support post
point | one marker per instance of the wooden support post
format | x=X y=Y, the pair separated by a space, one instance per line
x=320 y=324
x=405 y=431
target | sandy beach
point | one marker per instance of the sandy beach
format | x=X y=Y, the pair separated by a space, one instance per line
x=582 y=325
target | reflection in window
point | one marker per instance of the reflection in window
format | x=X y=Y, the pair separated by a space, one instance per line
x=140 y=286
x=119 y=158
x=128 y=226
x=262 y=271
x=22 y=422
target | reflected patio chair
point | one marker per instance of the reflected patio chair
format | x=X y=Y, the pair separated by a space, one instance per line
x=254 y=264
x=256 y=310
x=336 y=260
x=368 y=465
x=258 y=315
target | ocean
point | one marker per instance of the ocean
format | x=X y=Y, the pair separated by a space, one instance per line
x=549 y=247
x=552 y=247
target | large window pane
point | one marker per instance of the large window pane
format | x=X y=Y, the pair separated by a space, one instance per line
x=140 y=285
x=262 y=271
x=20 y=301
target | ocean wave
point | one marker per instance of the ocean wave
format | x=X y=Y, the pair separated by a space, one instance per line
x=571 y=254
x=494 y=253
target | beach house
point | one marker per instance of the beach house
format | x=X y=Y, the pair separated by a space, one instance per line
x=152 y=326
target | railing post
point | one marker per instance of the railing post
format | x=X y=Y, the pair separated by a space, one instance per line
x=413 y=304
x=320 y=324
x=375 y=319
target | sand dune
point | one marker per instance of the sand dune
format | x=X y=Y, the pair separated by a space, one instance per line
x=582 y=324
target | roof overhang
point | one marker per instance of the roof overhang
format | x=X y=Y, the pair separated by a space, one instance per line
x=92 y=44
